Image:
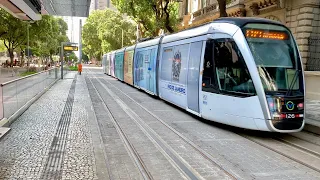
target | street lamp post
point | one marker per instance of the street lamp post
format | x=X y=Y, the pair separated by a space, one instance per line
x=122 y=37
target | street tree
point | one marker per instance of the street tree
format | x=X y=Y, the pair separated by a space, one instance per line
x=114 y=29
x=90 y=35
x=103 y=33
x=151 y=15
x=13 y=32
x=45 y=35
x=85 y=58
x=50 y=32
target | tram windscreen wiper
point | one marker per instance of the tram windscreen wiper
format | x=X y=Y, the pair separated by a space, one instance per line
x=296 y=74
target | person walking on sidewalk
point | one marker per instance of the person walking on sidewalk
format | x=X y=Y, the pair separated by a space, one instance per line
x=79 y=68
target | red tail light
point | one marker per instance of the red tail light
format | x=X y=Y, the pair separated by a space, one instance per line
x=271 y=104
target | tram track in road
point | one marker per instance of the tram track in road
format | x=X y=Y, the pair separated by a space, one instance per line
x=290 y=146
x=196 y=148
x=132 y=151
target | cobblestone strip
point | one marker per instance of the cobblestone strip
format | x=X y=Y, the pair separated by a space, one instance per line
x=120 y=163
x=157 y=163
x=228 y=149
x=23 y=152
x=79 y=161
x=197 y=159
x=53 y=166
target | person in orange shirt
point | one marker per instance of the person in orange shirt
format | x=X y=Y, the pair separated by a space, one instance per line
x=79 y=68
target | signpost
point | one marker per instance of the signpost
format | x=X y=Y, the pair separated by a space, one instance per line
x=66 y=47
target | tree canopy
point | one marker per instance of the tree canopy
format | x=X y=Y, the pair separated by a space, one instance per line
x=45 y=35
x=151 y=15
x=103 y=33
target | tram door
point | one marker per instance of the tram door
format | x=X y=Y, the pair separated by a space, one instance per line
x=193 y=76
x=151 y=70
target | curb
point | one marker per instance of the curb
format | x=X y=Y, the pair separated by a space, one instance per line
x=312 y=126
x=4 y=131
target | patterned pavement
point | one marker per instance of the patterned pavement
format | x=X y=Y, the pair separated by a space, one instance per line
x=313 y=112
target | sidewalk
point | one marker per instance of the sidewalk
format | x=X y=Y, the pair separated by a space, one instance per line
x=313 y=116
x=52 y=139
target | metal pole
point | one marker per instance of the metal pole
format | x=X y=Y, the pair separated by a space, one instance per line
x=61 y=59
x=28 y=39
x=122 y=36
x=137 y=32
x=28 y=48
x=80 y=42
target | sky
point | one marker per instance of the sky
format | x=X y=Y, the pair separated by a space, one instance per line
x=74 y=28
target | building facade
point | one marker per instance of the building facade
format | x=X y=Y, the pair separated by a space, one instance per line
x=301 y=16
x=101 y=4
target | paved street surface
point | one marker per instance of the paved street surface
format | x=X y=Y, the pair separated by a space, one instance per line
x=313 y=111
x=92 y=126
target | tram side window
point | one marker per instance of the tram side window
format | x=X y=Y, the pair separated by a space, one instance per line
x=232 y=73
x=209 y=83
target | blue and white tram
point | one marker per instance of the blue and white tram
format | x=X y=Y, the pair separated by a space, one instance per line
x=245 y=72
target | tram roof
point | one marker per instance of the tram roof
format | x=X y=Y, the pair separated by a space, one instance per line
x=241 y=21
x=129 y=48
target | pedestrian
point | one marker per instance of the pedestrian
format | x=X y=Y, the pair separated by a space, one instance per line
x=79 y=68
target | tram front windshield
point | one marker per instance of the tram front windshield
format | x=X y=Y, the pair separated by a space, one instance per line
x=276 y=57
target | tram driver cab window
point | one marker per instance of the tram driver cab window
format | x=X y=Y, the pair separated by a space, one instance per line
x=225 y=64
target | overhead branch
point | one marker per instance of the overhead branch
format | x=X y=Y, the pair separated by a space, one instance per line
x=167 y=20
x=4 y=42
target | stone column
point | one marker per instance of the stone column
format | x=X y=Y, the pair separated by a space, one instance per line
x=303 y=20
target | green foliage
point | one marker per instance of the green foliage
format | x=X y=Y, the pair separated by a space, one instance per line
x=151 y=15
x=72 y=56
x=103 y=33
x=50 y=32
x=2 y=46
x=91 y=41
x=27 y=73
x=85 y=57
x=45 y=35
x=13 y=31
x=73 y=68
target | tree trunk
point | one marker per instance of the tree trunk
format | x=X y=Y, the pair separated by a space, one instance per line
x=222 y=8
x=22 y=59
x=11 y=56
x=167 y=20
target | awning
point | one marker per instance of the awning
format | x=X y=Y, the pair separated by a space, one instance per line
x=78 y=8
x=32 y=9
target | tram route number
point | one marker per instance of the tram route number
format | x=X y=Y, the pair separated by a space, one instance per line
x=290 y=116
